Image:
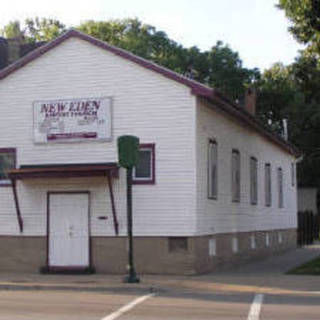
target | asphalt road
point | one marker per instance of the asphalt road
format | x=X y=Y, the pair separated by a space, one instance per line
x=175 y=305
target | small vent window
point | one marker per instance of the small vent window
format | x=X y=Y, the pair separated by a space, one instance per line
x=253 y=242
x=212 y=247
x=178 y=244
x=235 y=245
x=267 y=240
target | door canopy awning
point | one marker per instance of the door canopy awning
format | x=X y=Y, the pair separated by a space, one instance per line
x=108 y=169
x=64 y=171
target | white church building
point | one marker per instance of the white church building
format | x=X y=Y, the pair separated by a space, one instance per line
x=213 y=187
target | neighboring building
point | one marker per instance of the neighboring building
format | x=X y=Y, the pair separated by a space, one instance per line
x=307 y=199
x=213 y=187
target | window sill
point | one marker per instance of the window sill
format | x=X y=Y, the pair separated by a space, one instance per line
x=179 y=252
x=5 y=185
x=212 y=198
x=148 y=182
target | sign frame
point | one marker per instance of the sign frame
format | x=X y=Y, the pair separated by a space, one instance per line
x=74 y=140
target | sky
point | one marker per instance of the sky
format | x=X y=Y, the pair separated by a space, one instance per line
x=254 y=28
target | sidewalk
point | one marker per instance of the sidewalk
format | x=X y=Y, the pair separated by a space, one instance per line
x=264 y=276
x=279 y=264
x=270 y=274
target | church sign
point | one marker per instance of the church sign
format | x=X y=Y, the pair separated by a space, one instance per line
x=67 y=120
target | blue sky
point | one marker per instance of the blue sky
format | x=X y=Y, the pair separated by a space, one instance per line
x=254 y=28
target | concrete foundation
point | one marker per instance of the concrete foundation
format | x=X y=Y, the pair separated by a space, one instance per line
x=279 y=241
x=155 y=255
x=22 y=254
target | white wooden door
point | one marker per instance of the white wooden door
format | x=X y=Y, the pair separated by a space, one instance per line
x=69 y=230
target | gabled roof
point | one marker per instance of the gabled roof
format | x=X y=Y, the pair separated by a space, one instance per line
x=213 y=96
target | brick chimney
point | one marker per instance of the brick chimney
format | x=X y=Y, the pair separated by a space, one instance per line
x=14 y=49
x=250 y=100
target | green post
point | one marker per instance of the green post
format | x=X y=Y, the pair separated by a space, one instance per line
x=128 y=147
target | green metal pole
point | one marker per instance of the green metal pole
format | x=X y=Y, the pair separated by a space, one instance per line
x=132 y=277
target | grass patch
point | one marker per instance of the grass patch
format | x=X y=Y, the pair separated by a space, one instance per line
x=310 y=268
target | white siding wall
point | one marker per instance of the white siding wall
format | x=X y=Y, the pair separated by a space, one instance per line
x=33 y=201
x=222 y=215
x=145 y=104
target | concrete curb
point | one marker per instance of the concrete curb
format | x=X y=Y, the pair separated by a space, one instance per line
x=134 y=288
x=113 y=289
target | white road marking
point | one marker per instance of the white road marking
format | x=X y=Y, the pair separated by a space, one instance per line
x=127 y=307
x=255 y=309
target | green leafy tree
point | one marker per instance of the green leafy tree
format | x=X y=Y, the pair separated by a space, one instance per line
x=34 y=30
x=276 y=92
x=43 y=29
x=129 y=34
x=227 y=73
x=12 y=30
x=305 y=18
x=292 y=93
x=305 y=72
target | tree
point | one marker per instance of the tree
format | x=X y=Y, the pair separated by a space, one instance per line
x=305 y=72
x=43 y=29
x=227 y=73
x=305 y=18
x=35 y=30
x=132 y=35
x=276 y=93
x=12 y=30
x=292 y=93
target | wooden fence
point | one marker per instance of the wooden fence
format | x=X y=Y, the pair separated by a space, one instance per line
x=308 y=227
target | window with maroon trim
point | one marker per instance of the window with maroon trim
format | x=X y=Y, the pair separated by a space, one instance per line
x=293 y=174
x=212 y=169
x=144 y=172
x=280 y=188
x=7 y=162
x=267 y=183
x=253 y=180
x=235 y=176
